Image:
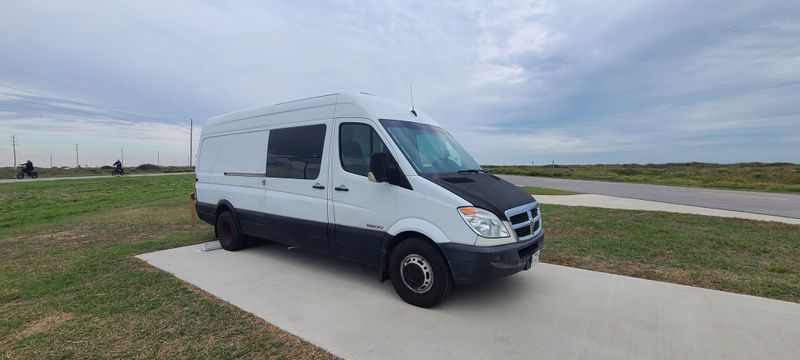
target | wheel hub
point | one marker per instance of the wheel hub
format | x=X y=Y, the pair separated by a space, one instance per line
x=416 y=273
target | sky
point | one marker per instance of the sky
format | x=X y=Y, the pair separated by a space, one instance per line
x=516 y=82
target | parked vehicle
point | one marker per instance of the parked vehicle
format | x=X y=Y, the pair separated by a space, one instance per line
x=21 y=172
x=369 y=180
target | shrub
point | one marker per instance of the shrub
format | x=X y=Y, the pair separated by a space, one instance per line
x=148 y=167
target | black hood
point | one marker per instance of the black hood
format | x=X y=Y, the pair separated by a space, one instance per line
x=484 y=191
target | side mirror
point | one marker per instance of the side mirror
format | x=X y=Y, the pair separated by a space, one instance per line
x=378 y=168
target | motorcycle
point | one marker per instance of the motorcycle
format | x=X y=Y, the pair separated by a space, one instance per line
x=21 y=173
x=117 y=172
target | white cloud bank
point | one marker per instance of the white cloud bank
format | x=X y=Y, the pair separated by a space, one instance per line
x=516 y=81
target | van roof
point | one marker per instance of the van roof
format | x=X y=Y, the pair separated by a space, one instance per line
x=338 y=105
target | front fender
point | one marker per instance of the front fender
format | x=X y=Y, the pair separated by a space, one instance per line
x=421 y=226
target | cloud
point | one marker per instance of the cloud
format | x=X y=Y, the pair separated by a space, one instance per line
x=47 y=126
x=577 y=81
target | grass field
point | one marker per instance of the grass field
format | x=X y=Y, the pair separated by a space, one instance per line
x=10 y=172
x=70 y=286
x=779 y=177
x=744 y=256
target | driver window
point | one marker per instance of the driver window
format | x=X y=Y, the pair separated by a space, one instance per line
x=357 y=143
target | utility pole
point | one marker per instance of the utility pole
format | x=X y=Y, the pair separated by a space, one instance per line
x=14 y=145
x=122 y=156
x=77 y=161
x=158 y=158
x=51 y=161
x=191 y=128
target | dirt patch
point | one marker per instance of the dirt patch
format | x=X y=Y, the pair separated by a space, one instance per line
x=43 y=324
x=627 y=268
x=58 y=235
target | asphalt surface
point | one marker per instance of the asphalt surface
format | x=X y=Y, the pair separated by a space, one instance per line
x=613 y=202
x=786 y=205
x=25 y=180
x=550 y=312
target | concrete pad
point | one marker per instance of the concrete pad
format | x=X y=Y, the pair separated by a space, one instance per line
x=550 y=312
x=612 y=202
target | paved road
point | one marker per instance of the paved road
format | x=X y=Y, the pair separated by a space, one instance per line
x=786 y=205
x=550 y=312
x=613 y=202
x=8 y=181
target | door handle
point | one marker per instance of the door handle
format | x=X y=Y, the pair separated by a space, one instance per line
x=341 y=188
x=318 y=186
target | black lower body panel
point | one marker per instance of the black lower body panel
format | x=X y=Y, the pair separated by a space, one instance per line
x=361 y=245
x=311 y=235
x=473 y=264
x=206 y=212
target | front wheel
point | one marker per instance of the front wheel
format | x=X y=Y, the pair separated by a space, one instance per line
x=20 y=175
x=228 y=232
x=419 y=273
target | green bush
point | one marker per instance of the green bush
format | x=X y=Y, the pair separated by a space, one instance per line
x=148 y=167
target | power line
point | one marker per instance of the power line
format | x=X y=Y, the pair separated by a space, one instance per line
x=60 y=83
x=73 y=101
x=191 y=128
x=14 y=145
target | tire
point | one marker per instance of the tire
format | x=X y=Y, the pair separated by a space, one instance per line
x=228 y=232
x=35 y=175
x=419 y=273
x=20 y=175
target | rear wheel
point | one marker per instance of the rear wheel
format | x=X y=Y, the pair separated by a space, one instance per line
x=228 y=232
x=35 y=175
x=419 y=273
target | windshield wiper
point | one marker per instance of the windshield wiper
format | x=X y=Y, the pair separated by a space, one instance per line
x=469 y=171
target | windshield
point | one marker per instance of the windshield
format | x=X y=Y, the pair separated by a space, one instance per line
x=430 y=149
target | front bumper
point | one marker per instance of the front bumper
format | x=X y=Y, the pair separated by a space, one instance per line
x=472 y=264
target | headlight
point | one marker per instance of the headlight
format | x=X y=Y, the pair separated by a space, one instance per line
x=483 y=222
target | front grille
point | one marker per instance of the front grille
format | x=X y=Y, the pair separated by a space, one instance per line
x=516 y=219
x=523 y=231
x=524 y=221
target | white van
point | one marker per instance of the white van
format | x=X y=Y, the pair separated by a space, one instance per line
x=365 y=179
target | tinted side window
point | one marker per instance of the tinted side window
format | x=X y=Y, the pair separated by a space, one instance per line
x=357 y=143
x=295 y=152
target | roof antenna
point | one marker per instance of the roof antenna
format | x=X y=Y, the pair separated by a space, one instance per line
x=412 y=100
